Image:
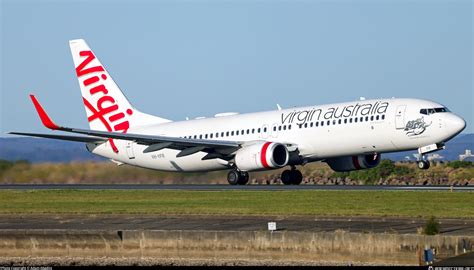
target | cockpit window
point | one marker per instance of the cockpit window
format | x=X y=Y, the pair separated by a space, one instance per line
x=434 y=110
x=442 y=109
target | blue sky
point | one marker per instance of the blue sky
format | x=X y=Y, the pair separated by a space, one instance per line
x=179 y=59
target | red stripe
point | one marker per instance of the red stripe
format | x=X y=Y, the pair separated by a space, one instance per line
x=104 y=122
x=355 y=160
x=263 y=155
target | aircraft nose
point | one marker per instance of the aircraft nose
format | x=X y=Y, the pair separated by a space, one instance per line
x=457 y=123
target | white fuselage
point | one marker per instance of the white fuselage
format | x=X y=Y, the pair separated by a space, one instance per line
x=318 y=132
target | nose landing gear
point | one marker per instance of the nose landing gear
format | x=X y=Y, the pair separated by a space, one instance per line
x=423 y=164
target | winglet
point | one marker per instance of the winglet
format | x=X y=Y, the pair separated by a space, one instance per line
x=47 y=122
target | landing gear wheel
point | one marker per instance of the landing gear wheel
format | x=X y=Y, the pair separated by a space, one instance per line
x=244 y=178
x=296 y=177
x=291 y=177
x=233 y=177
x=286 y=177
x=423 y=164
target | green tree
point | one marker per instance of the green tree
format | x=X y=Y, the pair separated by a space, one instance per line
x=5 y=165
x=431 y=226
x=385 y=169
x=460 y=164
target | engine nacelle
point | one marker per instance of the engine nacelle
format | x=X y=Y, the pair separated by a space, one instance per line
x=264 y=155
x=352 y=163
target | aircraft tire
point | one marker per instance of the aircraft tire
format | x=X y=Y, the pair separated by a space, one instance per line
x=244 y=178
x=423 y=165
x=286 y=177
x=233 y=177
x=296 y=177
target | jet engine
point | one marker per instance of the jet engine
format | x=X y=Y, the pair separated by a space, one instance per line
x=352 y=163
x=262 y=155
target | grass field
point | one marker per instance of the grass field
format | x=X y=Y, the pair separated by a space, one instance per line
x=313 y=202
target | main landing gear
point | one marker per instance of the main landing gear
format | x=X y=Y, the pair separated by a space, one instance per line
x=288 y=177
x=291 y=177
x=235 y=177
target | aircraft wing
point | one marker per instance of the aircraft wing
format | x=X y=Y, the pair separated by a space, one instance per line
x=155 y=143
x=63 y=137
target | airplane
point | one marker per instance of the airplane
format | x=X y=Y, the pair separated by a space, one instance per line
x=347 y=136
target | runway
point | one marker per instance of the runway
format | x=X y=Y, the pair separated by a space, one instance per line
x=229 y=187
x=119 y=222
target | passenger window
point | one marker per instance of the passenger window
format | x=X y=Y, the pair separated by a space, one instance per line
x=305 y=125
x=211 y=135
x=284 y=127
x=274 y=128
x=334 y=121
x=361 y=119
x=372 y=118
x=265 y=129
x=377 y=118
x=328 y=122
x=232 y=133
x=222 y=134
x=355 y=120
x=279 y=128
x=383 y=116
x=322 y=123
x=289 y=127
x=200 y=136
x=339 y=122
x=316 y=124
x=345 y=121
x=237 y=133
x=258 y=130
x=227 y=134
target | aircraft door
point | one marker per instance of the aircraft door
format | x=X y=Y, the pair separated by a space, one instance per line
x=129 y=148
x=400 y=117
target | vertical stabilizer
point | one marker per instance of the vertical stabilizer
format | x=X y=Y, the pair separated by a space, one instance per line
x=106 y=106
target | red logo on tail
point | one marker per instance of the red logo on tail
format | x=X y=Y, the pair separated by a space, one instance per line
x=106 y=109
